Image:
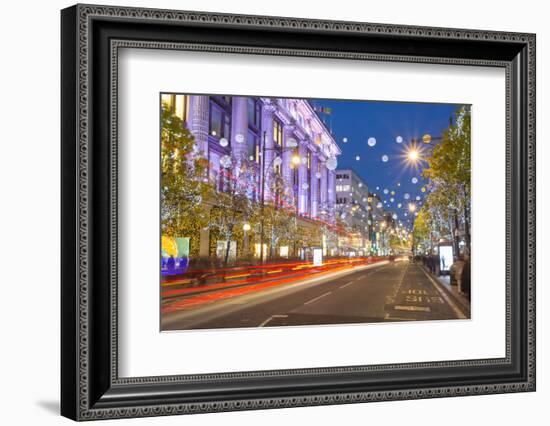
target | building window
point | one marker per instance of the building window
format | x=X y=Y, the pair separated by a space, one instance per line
x=277 y=133
x=253 y=146
x=220 y=119
x=178 y=103
x=254 y=113
x=342 y=188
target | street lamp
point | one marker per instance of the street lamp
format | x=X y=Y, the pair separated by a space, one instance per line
x=413 y=155
x=291 y=144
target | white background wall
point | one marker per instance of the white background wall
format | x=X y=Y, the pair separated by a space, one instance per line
x=29 y=212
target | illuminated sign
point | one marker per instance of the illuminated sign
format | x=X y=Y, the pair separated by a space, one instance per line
x=317 y=257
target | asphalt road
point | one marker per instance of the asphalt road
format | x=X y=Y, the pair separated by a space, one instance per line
x=398 y=291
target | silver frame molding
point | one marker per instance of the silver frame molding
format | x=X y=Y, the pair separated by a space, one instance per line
x=91 y=39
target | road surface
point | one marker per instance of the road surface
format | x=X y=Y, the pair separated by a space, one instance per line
x=396 y=291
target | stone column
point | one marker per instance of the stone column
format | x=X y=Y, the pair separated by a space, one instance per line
x=303 y=188
x=198 y=121
x=331 y=190
x=287 y=159
x=267 y=130
x=239 y=126
x=314 y=187
x=323 y=198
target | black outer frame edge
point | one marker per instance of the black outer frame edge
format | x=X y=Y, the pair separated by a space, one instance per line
x=69 y=211
x=103 y=394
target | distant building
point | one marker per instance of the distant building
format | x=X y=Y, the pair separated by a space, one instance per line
x=352 y=200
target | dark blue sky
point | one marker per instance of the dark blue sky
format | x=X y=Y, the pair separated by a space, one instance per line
x=385 y=121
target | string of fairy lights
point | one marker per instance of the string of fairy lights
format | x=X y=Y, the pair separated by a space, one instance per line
x=403 y=204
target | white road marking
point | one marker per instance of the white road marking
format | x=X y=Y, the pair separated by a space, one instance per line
x=412 y=308
x=317 y=298
x=270 y=318
x=455 y=308
x=346 y=284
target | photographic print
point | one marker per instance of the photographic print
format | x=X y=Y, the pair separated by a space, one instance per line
x=290 y=212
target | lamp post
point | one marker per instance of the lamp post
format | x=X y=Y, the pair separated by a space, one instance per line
x=290 y=145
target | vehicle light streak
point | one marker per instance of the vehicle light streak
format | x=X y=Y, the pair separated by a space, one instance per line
x=257 y=285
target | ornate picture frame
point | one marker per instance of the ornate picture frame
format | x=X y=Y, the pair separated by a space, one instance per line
x=91 y=38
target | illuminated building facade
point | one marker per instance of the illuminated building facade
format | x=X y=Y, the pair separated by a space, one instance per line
x=239 y=126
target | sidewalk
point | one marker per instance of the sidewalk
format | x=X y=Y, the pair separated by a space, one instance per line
x=452 y=290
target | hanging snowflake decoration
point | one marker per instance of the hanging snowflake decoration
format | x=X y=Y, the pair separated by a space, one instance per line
x=225 y=161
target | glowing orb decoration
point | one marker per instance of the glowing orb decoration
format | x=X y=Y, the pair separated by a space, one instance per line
x=398 y=183
x=360 y=184
x=414 y=180
x=405 y=214
x=378 y=188
x=225 y=161
x=305 y=186
x=386 y=190
x=394 y=216
x=278 y=161
x=385 y=158
x=291 y=143
x=399 y=205
x=392 y=200
x=418 y=198
x=357 y=158
x=369 y=222
x=423 y=189
x=224 y=142
x=427 y=138
x=239 y=138
x=399 y=139
x=345 y=140
x=251 y=158
x=213 y=133
x=379 y=205
x=318 y=175
x=407 y=196
x=331 y=163
x=371 y=141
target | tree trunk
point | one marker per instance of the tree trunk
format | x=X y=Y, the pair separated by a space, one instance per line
x=229 y=235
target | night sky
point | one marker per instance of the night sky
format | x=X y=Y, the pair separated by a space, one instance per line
x=385 y=121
